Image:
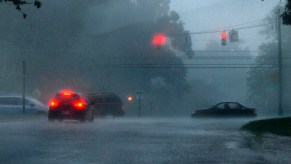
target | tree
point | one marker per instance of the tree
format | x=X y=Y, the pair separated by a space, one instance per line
x=286 y=16
x=19 y=3
x=94 y=47
x=263 y=80
x=128 y=61
x=39 y=41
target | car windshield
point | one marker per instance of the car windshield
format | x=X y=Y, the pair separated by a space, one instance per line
x=145 y=81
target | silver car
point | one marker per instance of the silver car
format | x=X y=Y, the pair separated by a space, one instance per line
x=14 y=105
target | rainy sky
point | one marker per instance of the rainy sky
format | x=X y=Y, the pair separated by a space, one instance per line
x=201 y=15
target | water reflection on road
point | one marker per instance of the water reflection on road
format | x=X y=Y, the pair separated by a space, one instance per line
x=130 y=140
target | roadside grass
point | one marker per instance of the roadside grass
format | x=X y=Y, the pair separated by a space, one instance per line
x=278 y=126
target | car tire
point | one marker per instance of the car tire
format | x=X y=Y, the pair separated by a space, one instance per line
x=118 y=113
x=90 y=115
x=91 y=119
x=51 y=117
x=83 y=117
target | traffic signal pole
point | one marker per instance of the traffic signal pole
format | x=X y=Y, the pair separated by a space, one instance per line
x=139 y=103
x=23 y=85
x=280 y=78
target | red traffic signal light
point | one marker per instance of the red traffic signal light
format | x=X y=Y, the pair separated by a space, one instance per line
x=159 y=39
x=223 y=36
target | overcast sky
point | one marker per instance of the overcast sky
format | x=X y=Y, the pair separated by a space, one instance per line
x=201 y=15
x=215 y=15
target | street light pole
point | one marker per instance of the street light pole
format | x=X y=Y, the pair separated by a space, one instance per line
x=139 y=102
x=280 y=78
x=23 y=85
x=151 y=107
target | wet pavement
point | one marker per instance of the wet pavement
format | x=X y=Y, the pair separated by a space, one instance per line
x=132 y=140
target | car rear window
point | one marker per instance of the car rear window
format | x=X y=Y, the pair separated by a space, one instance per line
x=104 y=99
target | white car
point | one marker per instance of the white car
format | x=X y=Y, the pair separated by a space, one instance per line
x=14 y=105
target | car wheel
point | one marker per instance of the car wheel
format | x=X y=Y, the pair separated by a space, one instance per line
x=118 y=113
x=90 y=116
x=51 y=118
x=91 y=119
x=101 y=114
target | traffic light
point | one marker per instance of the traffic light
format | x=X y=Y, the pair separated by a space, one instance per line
x=233 y=36
x=223 y=36
x=159 y=40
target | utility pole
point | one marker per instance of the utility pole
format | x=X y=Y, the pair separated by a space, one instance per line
x=280 y=78
x=151 y=108
x=139 y=102
x=23 y=85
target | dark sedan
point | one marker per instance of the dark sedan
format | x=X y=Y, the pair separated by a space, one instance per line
x=226 y=109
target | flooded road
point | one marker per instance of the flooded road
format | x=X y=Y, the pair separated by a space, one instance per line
x=132 y=140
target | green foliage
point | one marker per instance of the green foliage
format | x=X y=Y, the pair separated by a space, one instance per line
x=286 y=16
x=92 y=47
x=279 y=126
x=263 y=82
x=126 y=56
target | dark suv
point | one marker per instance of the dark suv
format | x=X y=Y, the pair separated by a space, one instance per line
x=69 y=105
x=105 y=104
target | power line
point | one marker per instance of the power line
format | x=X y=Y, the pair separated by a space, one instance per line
x=229 y=51
x=191 y=64
x=206 y=51
x=237 y=25
x=286 y=57
x=218 y=31
x=166 y=65
x=190 y=33
x=241 y=24
x=181 y=67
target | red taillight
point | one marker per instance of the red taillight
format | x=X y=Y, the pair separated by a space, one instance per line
x=79 y=105
x=67 y=93
x=53 y=103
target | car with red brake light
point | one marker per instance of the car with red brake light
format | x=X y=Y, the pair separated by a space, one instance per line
x=69 y=105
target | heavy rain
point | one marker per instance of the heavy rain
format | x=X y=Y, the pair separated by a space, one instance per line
x=164 y=63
